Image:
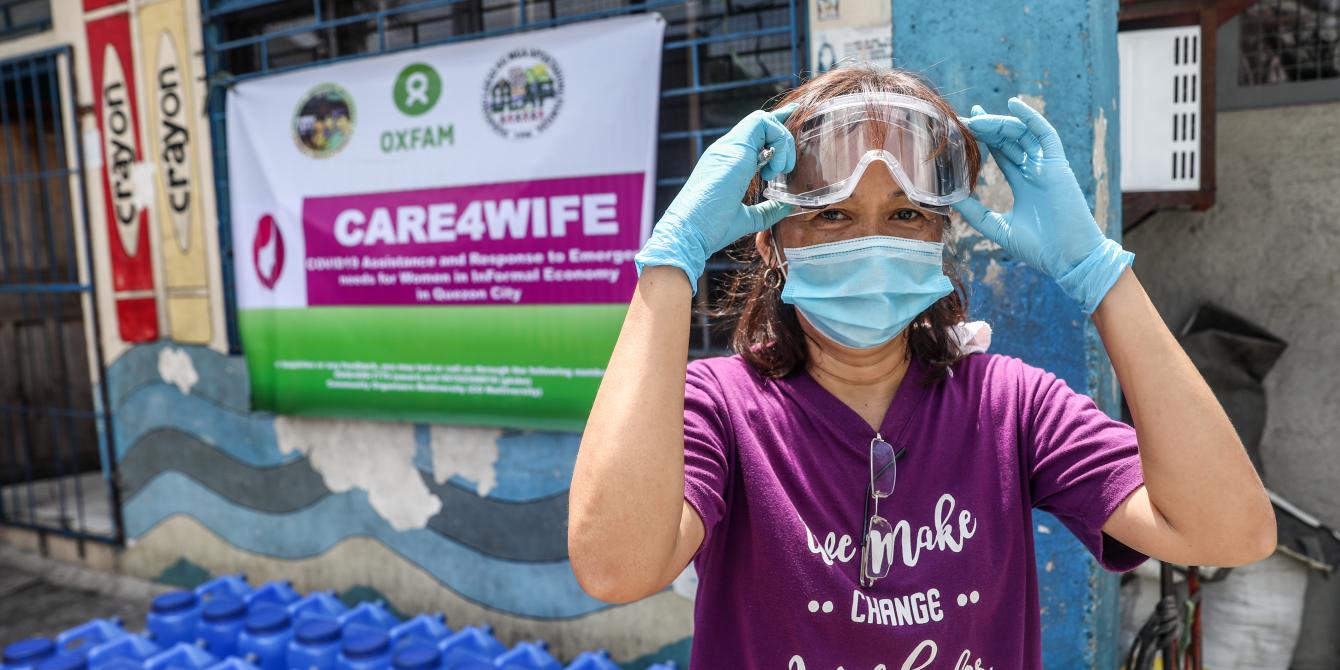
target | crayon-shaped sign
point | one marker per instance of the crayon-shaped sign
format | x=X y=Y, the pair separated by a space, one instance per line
x=174 y=140
x=115 y=103
x=90 y=5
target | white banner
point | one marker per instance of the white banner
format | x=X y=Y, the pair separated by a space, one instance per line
x=445 y=234
x=586 y=100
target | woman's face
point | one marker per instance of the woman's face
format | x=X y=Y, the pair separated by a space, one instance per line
x=877 y=206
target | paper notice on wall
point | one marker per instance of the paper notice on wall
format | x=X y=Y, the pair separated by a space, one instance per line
x=845 y=31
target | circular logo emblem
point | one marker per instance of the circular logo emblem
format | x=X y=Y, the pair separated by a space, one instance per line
x=267 y=251
x=324 y=121
x=417 y=89
x=523 y=93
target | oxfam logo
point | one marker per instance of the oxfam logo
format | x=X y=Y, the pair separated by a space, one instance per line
x=417 y=89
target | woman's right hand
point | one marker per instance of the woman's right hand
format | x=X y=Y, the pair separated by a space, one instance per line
x=708 y=213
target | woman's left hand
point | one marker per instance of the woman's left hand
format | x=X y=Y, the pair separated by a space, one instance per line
x=1050 y=226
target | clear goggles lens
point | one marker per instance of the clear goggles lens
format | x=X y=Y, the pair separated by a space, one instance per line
x=924 y=151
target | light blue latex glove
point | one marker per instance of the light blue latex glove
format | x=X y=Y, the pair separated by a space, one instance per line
x=708 y=213
x=1050 y=226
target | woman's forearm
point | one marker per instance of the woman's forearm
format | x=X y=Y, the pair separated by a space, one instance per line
x=1197 y=474
x=627 y=490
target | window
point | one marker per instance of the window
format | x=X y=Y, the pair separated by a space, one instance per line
x=22 y=17
x=1280 y=52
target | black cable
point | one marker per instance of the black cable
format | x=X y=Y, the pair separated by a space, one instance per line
x=1160 y=632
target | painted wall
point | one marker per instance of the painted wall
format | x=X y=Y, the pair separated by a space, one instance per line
x=468 y=521
x=1061 y=57
x=1267 y=250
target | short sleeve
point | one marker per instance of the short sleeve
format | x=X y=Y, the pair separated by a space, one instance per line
x=1083 y=464
x=706 y=453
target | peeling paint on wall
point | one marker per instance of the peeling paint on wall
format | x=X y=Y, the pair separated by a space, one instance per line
x=175 y=367
x=469 y=453
x=1035 y=101
x=369 y=455
x=1101 y=198
x=994 y=277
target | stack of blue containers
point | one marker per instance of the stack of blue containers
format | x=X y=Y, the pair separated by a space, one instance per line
x=225 y=624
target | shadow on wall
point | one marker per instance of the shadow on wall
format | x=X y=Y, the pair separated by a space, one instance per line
x=467 y=521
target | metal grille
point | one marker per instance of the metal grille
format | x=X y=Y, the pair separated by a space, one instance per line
x=55 y=470
x=723 y=58
x=1289 y=41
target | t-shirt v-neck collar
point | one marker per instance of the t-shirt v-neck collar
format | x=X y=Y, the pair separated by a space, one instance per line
x=847 y=421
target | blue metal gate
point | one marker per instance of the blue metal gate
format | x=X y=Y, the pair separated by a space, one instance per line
x=56 y=474
x=723 y=58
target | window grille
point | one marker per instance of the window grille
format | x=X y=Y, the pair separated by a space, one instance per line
x=1289 y=41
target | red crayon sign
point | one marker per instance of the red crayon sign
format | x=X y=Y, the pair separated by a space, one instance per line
x=90 y=5
x=114 y=100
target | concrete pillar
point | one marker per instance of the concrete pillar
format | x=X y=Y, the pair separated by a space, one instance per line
x=1061 y=56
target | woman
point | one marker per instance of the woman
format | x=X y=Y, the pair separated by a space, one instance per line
x=854 y=488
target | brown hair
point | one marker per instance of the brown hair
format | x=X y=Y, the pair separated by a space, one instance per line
x=767 y=332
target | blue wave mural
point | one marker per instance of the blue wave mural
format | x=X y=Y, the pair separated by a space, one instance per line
x=533 y=589
x=189 y=450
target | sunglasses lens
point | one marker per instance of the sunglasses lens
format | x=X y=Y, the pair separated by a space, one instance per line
x=883 y=468
x=874 y=560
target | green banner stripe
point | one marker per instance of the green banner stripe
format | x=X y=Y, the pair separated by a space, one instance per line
x=531 y=366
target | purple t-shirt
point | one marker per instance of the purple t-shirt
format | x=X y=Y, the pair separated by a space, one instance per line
x=777 y=469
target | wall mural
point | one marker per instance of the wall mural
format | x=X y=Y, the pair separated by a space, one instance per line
x=469 y=521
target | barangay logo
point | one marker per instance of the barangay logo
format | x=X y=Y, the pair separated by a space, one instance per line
x=523 y=93
x=323 y=121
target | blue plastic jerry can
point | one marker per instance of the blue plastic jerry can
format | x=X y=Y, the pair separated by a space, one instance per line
x=173 y=617
x=472 y=644
x=64 y=661
x=235 y=586
x=221 y=621
x=318 y=604
x=183 y=656
x=27 y=654
x=593 y=660
x=528 y=656
x=232 y=663
x=264 y=639
x=417 y=654
x=364 y=648
x=315 y=644
x=128 y=648
x=279 y=592
x=82 y=638
x=372 y=614
x=427 y=627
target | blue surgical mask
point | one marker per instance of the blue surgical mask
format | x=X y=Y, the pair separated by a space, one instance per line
x=862 y=292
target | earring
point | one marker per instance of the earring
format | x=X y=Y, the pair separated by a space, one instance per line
x=772 y=278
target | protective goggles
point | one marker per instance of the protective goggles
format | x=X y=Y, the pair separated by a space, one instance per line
x=844 y=135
